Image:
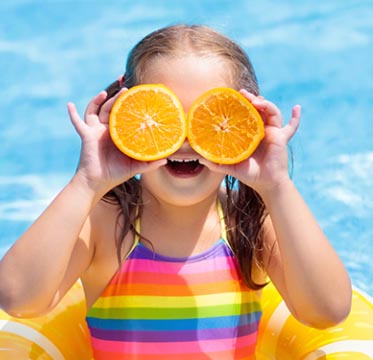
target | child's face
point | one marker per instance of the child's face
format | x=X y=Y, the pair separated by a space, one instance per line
x=189 y=77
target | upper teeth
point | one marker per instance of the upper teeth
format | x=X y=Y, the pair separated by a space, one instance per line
x=183 y=160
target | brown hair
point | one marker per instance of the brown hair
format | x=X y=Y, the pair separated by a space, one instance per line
x=244 y=209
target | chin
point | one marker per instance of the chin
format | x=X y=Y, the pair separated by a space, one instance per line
x=181 y=183
x=180 y=195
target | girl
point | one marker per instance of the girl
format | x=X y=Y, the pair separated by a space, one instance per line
x=172 y=263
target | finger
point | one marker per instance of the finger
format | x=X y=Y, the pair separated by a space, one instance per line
x=142 y=167
x=76 y=120
x=291 y=128
x=153 y=165
x=250 y=96
x=95 y=103
x=296 y=111
x=107 y=106
x=222 y=169
x=269 y=112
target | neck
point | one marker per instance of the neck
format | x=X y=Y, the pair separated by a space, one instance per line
x=180 y=230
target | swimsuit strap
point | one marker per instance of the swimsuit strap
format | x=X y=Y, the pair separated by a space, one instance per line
x=223 y=228
x=136 y=240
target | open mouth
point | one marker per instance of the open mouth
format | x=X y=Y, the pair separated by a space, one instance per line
x=184 y=167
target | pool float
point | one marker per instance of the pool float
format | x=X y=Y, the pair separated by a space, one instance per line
x=281 y=337
x=63 y=333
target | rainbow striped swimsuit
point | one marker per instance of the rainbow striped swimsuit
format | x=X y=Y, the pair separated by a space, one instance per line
x=162 y=308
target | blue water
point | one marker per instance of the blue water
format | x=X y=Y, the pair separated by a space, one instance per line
x=312 y=53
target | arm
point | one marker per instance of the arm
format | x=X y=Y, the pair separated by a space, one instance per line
x=301 y=263
x=34 y=273
x=54 y=252
x=299 y=258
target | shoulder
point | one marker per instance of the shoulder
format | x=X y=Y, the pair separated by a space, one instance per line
x=99 y=223
x=103 y=219
x=271 y=256
x=266 y=253
x=103 y=228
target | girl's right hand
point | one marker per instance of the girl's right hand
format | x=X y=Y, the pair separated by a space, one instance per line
x=102 y=166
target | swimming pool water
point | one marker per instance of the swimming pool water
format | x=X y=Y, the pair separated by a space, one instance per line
x=320 y=56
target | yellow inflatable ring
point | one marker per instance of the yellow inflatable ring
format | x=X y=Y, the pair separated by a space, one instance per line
x=63 y=333
x=281 y=337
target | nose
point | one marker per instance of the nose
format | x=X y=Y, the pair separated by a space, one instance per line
x=186 y=145
x=187 y=151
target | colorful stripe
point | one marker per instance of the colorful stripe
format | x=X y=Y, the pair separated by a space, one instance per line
x=161 y=306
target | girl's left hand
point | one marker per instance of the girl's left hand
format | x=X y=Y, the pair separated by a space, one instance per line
x=267 y=167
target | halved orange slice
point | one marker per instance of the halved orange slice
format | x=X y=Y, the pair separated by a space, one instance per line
x=224 y=127
x=148 y=122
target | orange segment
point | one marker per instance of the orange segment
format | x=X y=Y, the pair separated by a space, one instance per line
x=224 y=127
x=148 y=122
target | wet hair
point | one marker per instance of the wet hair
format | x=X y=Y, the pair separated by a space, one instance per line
x=244 y=209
